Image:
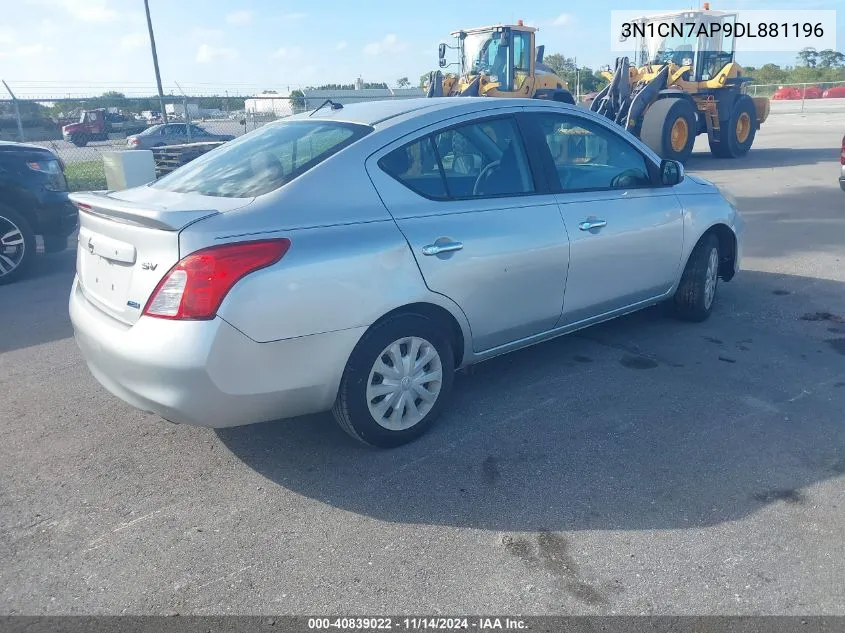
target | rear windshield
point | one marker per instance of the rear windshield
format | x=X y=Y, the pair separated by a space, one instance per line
x=263 y=160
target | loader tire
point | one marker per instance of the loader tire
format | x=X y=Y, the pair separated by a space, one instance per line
x=669 y=128
x=737 y=133
x=564 y=96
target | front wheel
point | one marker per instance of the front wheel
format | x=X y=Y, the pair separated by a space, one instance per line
x=696 y=293
x=396 y=381
x=669 y=128
x=17 y=245
x=80 y=140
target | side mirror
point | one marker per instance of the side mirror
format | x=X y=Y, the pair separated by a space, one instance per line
x=671 y=172
x=541 y=50
x=441 y=50
x=442 y=63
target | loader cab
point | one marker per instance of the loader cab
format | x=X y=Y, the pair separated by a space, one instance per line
x=696 y=39
x=503 y=54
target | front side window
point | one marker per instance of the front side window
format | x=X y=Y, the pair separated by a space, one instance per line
x=264 y=160
x=588 y=156
x=474 y=160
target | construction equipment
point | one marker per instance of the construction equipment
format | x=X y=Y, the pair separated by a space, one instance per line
x=499 y=61
x=684 y=82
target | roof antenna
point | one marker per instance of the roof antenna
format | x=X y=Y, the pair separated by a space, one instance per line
x=335 y=106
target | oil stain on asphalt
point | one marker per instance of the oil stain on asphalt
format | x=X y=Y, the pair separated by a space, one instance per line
x=637 y=362
x=551 y=552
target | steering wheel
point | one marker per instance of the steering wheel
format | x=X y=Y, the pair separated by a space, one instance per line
x=483 y=176
x=627 y=178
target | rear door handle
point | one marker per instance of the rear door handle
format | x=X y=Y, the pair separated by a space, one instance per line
x=442 y=247
x=586 y=225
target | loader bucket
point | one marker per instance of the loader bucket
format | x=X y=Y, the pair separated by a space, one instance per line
x=435 y=85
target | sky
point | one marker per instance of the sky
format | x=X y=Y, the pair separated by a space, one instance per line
x=55 y=48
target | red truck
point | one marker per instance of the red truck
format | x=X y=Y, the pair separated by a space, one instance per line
x=96 y=125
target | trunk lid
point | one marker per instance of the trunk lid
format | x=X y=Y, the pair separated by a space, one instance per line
x=128 y=241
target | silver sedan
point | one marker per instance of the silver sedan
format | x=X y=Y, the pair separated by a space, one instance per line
x=353 y=258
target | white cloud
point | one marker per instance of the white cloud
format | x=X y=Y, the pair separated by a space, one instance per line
x=207 y=53
x=389 y=44
x=29 y=51
x=131 y=41
x=562 y=19
x=341 y=45
x=86 y=11
x=239 y=18
x=7 y=37
x=288 y=53
x=205 y=34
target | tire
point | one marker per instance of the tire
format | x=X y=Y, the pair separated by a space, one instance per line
x=734 y=144
x=669 y=128
x=564 y=96
x=17 y=234
x=696 y=294
x=352 y=409
x=79 y=140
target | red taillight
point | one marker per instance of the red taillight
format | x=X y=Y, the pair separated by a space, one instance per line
x=196 y=286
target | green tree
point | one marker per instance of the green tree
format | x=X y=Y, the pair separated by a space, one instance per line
x=403 y=82
x=559 y=64
x=424 y=79
x=297 y=101
x=831 y=59
x=808 y=57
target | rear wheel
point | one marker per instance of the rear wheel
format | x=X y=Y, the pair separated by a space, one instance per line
x=80 y=140
x=17 y=245
x=669 y=128
x=736 y=135
x=396 y=381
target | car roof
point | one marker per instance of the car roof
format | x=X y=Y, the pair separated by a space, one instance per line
x=386 y=112
x=11 y=146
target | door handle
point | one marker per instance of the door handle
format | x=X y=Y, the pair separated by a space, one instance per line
x=443 y=247
x=592 y=224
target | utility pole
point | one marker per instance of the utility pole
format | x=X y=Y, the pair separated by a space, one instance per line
x=155 y=61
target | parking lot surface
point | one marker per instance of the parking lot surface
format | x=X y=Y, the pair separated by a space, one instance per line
x=641 y=466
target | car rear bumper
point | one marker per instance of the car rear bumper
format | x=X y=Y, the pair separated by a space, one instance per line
x=842 y=179
x=207 y=373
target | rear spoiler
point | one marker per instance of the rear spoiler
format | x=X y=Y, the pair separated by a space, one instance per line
x=99 y=203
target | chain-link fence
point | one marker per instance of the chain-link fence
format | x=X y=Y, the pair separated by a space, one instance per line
x=80 y=127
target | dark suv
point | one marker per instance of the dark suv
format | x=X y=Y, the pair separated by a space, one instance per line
x=33 y=201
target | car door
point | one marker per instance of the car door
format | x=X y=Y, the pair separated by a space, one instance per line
x=175 y=134
x=626 y=229
x=484 y=229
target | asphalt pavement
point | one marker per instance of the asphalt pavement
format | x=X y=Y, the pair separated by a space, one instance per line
x=641 y=466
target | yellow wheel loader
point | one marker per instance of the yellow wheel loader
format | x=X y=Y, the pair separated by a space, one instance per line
x=499 y=61
x=684 y=82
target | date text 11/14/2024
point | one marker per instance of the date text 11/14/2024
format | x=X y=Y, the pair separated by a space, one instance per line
x=417 y=623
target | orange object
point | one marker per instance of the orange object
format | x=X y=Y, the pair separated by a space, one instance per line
x=706 y=6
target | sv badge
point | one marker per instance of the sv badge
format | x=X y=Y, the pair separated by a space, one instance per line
x=148 y=266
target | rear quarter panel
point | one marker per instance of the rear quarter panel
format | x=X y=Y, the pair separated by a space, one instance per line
x=348 y=264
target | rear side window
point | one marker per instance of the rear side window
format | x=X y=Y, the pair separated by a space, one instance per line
x=416 y=166
x=474 y=160
x=263 y=160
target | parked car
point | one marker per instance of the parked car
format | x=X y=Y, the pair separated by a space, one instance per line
x=33 y=201
x=842 y=165
x=172 y=134
x=353 y=258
